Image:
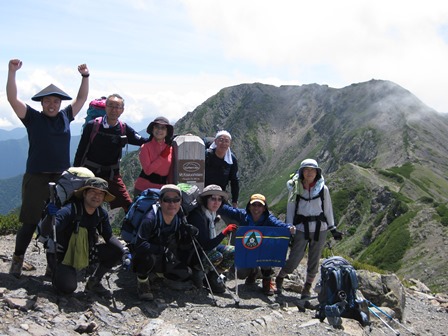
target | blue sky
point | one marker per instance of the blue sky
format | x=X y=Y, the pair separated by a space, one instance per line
x=167 y=57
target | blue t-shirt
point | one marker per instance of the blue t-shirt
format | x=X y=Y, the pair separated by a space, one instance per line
x=49 y=141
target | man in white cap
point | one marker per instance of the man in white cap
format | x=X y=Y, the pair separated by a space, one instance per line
x=49 y=152
x=221 y=165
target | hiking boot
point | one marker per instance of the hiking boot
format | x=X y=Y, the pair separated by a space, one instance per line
x=144 y=290
x=16 y=265
x=251 y=279
x=94 y=285
x=279 y=284
x=216 y=283
x=197 y=278
x=48 y=272
x=306 y=291
x=268 y=287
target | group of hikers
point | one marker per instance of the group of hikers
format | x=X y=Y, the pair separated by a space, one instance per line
x=168 y=239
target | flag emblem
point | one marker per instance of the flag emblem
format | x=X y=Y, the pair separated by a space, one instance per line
x=252 y=239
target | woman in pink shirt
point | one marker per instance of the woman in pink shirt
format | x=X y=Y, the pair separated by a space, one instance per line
x=156 y=156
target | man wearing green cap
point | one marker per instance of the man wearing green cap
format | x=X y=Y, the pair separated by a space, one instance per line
x=49 y=149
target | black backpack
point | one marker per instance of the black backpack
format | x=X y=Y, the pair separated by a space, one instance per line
x=338 y=293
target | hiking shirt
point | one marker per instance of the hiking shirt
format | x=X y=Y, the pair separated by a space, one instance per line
x=244 y=217
x=205 y=237
x=106 y=148
x=218 y=171
x=312 y=206
x=49 y=140
x=154 y=234
x=72 y=214
x=152 y=162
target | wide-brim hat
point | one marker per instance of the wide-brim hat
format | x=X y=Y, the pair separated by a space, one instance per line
x=98 y=184
x=210 y=190
x=51 y=90
x=309 y=163
x=161 y=121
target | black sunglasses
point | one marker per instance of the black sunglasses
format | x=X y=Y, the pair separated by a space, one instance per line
x=171 y=200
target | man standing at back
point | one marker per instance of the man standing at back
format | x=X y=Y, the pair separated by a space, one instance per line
x=49 y=149
x=101 y=145
x=221 y=166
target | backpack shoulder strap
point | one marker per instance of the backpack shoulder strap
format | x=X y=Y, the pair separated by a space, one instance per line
x=77 y=210
x=122 y=127
x=96 y=126
x=321 y=195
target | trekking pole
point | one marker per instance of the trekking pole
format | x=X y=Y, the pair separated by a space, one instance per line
x=385 y=323
x=205 y=274
x=390 y=317
x=234 y=296
x=52 y=187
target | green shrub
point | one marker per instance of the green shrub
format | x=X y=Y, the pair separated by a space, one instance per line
x=442 y=211
x=426 y=199
x=9 y=224
x=392 y=176
x=404 y=170
x=388 y=249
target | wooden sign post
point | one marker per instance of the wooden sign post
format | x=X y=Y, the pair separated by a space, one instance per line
x=189 y=160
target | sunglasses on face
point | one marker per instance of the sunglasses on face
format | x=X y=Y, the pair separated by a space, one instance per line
x=257 y=204
x=171 y=200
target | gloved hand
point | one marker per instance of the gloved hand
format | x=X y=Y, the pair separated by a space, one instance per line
x=126 y=258
x=192 y=230
x=337 y=235
x=166 y=152
x=169 y=256
x=52 y=209
x=229 y=228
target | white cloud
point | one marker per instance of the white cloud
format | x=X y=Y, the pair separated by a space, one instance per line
x=168 y=57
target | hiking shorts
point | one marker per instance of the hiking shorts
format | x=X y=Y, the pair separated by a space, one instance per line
x=35 y=193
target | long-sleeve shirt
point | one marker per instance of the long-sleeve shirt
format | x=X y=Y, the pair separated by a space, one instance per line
x=106 y=147
x=218 y=171
x=312 y=206
x=198 y=218
x=244 y=218
x=73 y=214
x=152 y=162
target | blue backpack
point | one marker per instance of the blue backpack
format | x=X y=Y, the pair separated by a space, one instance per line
x=338 y=293
x=139 y=208
x=147 y=201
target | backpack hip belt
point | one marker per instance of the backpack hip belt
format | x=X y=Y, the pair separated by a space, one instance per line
x=306 y=219
x=97 y=168
x=154 y=178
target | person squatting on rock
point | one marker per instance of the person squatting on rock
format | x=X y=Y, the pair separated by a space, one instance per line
x=221 y=165
x=156 y=156
x=78 y=225
x=310 y=209
x=49 y=150
x=204 y=217
x=101 y=145
x=164 y=243
x=256 y=213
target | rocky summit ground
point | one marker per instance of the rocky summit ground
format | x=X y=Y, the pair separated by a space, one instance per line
x=29 y=306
